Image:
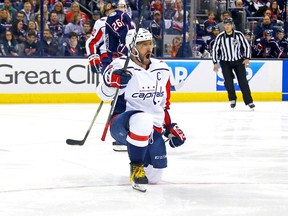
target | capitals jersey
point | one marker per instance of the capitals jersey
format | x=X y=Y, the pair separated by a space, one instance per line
x=117 y=25
x=95 y=44
x=147 y=90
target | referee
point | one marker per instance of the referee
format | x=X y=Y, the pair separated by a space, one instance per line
x=233 y=50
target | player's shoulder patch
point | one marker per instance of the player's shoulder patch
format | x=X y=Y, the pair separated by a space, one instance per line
x=153 y=25
x=113 y=14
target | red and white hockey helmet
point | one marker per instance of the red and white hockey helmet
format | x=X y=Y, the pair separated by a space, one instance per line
x=143 y=35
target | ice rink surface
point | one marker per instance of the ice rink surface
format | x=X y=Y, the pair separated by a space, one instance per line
x=233 y=163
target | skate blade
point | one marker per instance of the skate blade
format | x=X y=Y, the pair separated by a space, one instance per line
x=120 y=148
x=139 y=187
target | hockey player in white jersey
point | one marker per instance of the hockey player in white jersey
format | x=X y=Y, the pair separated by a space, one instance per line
x=95 y=46
x=141 y=114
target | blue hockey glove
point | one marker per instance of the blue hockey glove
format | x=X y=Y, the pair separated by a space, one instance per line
x=95 y=63
x=175 y=135
x=117 y=78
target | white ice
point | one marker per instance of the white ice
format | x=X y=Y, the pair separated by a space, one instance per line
x=233 y=163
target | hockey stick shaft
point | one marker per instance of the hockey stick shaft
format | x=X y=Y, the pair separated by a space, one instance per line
x=81 y=142
x=124 y=68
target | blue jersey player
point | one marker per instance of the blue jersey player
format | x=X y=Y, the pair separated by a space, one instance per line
x=117 y=25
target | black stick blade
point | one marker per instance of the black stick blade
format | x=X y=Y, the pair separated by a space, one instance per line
x=74 y=142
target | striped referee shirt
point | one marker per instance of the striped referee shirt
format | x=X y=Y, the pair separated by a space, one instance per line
x=230 y=47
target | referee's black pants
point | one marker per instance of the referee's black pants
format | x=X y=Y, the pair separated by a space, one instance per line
x=240 y=72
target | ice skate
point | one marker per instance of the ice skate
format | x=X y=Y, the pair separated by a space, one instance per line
x=138 y=177
x=119 y=147
x=233 y=104
x=251 y=106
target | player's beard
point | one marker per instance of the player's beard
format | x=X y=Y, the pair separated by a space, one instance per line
x=145 y=58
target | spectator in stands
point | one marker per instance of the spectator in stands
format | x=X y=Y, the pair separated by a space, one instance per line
x=156 y=30
x=168 y=9
x=38 y=21
x=82 y=43
x=86 y=27
x=274 y=20
x=177 y=19
x=176 y=43
x=276 y=12
x=50 y=45
x=184 y=51
x=238 y=14
x=209 y=23
x=45 y=11
x=224 y=15
x=31 y=45
x=20 y=16
x=12 y=11
x=32 y=27
x=74 y=25
x=71 y=47
x=56 y=28
x=5 y=21
x=282 y=42
x=75 y=9
x=266 y=46
x=285 y=18
x=18 y=31
x=156 y=5
x=59 y=10
x=66 y=5
x=9 y=46
x=82 y=37
x=259 y=29
x=29 y=14
x=95 y=16
x=256 y=7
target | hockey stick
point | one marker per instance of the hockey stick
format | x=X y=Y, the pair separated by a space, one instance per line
x=81 y=142
x=124 y=68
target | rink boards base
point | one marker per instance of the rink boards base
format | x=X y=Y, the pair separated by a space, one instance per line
x=92 y=97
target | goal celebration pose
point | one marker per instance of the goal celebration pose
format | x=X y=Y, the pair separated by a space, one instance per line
x=141 y=115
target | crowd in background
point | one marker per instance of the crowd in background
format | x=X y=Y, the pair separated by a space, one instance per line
x=68 y=24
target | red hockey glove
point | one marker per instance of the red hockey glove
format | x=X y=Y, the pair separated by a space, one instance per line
x=117 y=78
x=175 y=135
x=95 y=63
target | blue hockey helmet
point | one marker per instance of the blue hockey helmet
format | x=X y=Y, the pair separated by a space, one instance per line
x=280 y=30
x=114 y=3
x=248 y=32
x=215 y=28
x=268 y=32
